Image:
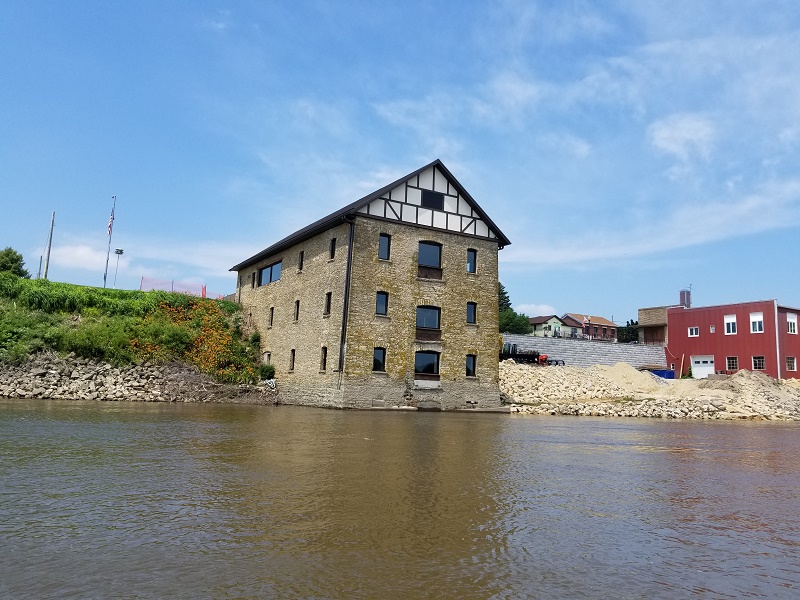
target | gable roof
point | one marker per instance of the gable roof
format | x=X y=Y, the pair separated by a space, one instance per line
x=543 y=319
x=348 y=212
x=593 y=319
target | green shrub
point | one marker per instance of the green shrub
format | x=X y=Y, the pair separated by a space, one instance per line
x=266 y=372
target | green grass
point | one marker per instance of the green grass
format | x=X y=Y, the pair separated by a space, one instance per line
x=124 y=327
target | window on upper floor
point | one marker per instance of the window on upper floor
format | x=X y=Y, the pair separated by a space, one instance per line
x=428 y=317
x=384 y=246
x=300 y=260
x=327 y=309
x=431 y=199
x=297 y=310
x=472 y=312
x=269 y=273
x=382 y=303
x=730 y=324
x=791 y=323
x=379 y=359
x=694 y=332
x=757 y=322
x=271 y=315
x=759 y=363
x=323 y=358
x=332 y=248
x=430 y=255
x=429 y=259
x=472 y=260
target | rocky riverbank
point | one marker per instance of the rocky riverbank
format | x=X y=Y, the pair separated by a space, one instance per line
x=47 y=375
x=622 y=391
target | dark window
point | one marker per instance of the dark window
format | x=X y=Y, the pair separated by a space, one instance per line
x=379 y=359
x=431 y=199
x=333 y=247
x=300 y=260
x=759 y=363
x=296 y=310
x=253 y=282
x=271 y=315
x=732 y=363
x=323 y=359
x=472 y=312
x=471 y=363
x=384 y=246
x=426 y=362
x=428 y=317
x=327 y=310
x=382 y=303
x=269 y=274
x=291 y=360
x=472 y=261
x=430 y=255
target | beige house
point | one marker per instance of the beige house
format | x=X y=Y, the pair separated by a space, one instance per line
x=389 y=302
x=548 y=326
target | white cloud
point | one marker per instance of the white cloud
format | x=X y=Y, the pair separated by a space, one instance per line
x=535 y=310
x=683 y=136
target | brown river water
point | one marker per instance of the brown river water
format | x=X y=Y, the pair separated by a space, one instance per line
x=123 y=500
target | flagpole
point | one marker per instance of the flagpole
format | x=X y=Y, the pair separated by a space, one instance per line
x=110 y=228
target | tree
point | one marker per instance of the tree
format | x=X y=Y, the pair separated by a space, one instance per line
x=629 y=333
x=11 y=260
x=502 y=297
x=510 y=320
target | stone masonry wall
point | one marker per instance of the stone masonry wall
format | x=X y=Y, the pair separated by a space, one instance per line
x=397 y=331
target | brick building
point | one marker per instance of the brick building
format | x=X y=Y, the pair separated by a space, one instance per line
x=757 y=336
x=390 y=301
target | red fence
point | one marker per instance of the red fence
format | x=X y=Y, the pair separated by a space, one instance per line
x=182 y=287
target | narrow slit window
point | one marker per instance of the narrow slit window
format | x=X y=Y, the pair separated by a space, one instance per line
x=384 y=246
x=297 y=310
x=333 y=248
x=323 y=359
x=327 y=309
x=472 y=260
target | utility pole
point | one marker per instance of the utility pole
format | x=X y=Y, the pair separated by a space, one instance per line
x=49 y=244
x=110 y=228
x=118 y=252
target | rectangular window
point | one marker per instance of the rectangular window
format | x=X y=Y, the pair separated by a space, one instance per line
x=333 y=248
x=428 y=317
x=791 y=323
x=271 y=315
x=694 y=332
x=430 y=255
x=291 y=360
x=382 y=303
x=472 y=312
x=730 y=324
x=269 y=274
x=732 y=363
x=300 y=260
x=426 y=363
x=757 y=322
x=712 y=329
x=327 y=310
x=267 y=358
x=379 y=359
x=471 y=364
x=431 y=199
x=472 y=260
x=323 y=359
x=791 y=363
x=384 y=246
x=758 y=363
x=253 y=281
x=297 y=310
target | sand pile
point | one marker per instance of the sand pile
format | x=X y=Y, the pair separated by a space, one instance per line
x=621 y=390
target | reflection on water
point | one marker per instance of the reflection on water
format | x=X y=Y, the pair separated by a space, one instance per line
x=141 y=500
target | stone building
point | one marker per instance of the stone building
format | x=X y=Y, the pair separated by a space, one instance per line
x=390 y=301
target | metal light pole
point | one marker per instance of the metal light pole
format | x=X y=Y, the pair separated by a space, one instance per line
x=118 y=252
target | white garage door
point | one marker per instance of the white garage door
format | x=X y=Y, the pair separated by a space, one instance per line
x=702 y=366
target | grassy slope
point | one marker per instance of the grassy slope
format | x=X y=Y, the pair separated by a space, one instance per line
x=123 y=326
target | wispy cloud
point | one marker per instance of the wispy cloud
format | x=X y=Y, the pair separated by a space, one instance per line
x=535 y=310
x=683 y=136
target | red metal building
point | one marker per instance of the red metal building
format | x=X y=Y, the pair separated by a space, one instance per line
x=757 y=336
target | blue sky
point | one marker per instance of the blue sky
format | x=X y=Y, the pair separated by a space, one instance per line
x=628 y=149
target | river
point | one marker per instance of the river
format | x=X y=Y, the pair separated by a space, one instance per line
x=126 y=500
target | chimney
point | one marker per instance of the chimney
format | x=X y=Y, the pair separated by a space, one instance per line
x=686 y=298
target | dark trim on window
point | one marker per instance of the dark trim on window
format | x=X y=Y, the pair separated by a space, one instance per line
x=426 y=364
x=323 y=359
x=291 y=359
x=297 y=310
x=384 y=246
x=472 y=365
x=382 y=303
x=271 y=315
x=328 y=298
x=472 y=313
x=432 y=200
x=379 y=359
x=472 y=260
x=332 y=249
x=300 y=260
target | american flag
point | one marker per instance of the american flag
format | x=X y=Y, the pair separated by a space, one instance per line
x=111 y=222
